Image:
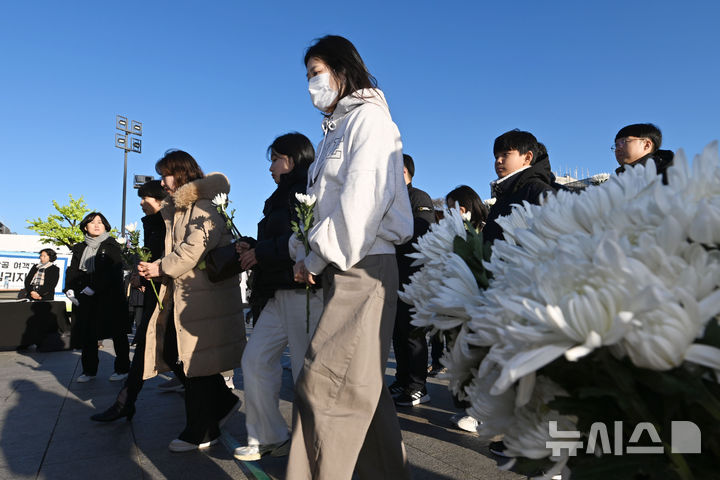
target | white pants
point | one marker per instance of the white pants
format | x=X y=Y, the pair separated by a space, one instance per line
x=281 y=322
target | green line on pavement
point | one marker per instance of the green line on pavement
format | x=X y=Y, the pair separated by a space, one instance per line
x=231 y=444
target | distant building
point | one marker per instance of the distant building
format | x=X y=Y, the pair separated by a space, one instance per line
x=4 y=230
x=583 y=183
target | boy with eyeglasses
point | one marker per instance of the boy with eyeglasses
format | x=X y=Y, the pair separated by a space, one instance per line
x=637 y=143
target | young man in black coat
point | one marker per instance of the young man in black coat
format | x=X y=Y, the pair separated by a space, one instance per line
x=523 y=175
x=636 y=144
x=409 y=344
x=523 y=169
x=152 y=195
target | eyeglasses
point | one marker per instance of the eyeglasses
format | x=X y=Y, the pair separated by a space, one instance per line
x=621 y=142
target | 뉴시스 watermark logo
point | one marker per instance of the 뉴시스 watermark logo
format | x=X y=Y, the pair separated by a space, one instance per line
x=684 y=438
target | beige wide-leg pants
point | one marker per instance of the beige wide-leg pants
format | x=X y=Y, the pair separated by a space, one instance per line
x=344 y=417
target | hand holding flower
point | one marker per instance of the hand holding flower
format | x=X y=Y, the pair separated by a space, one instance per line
x=242 y=247
x=149 y=270
x=302 y=274
x=248 y=259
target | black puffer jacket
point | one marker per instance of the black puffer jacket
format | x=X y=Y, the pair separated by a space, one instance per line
x=154 y=239
x=154 y=234
x=274 y=270
x=662 y=158
x=530 y=185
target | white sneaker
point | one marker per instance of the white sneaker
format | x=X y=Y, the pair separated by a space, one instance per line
x=84 y=378
x=178 y=445
x=465 y=422
x=250 y=453
x=229 y=383
x=116 y=377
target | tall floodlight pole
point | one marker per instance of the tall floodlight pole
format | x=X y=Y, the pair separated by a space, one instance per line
x=124 y=139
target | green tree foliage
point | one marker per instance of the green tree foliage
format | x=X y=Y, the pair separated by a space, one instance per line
x=62 y=228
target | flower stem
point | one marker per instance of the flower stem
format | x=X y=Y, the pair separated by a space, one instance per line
x=307 y=308
x=160 y=305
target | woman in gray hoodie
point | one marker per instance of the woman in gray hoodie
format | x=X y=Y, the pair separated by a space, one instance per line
x=345 y=416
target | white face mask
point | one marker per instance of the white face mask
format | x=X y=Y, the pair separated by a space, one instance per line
x=321 y=93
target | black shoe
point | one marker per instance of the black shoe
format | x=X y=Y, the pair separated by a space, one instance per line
x=497 y=448
x=396 y=389
x=410 y=398
x=117 y=410
x=435 y=370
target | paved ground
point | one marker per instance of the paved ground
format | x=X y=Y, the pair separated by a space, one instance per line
x=46 y=432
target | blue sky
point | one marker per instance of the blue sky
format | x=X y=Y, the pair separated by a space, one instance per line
x=222 y=79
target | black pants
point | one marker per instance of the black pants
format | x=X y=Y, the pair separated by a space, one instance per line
x=437 y=347
x=89 y=357
x=411 y=351
x=207 y=399
x=134 y=381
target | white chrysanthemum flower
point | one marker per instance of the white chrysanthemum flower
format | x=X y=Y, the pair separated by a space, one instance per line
x=495 y=413
x=438 y=241
x=121 y=240
x=220 y=200
x=460 y=361
x=631 y=265
x=531 y=431
x=131 y=227
x=610 y=266
x=308 y=200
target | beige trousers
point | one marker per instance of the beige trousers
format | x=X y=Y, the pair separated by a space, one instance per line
x=344 y=417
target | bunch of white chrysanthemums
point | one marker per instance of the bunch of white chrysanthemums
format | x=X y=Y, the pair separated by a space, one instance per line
x=623 y=264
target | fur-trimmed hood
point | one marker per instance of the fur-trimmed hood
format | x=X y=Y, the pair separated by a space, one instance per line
x=203 y=188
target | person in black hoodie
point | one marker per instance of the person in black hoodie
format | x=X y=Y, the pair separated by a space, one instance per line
x=277 y=302
x=152 y=195
x=523 y=175
x=637 y=143
x=523 y=169
x=94 y=283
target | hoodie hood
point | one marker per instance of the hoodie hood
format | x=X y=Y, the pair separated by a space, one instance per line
x=202 y=188
x=350 y=102
x=662 y=158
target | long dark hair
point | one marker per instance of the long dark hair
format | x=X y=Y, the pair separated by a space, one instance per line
x=181 y=165
x=467 y=198
x=342 y=57
x=296 y=146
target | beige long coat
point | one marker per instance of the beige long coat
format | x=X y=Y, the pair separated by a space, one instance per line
x=208 y=316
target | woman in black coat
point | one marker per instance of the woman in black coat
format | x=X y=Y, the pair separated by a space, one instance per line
x=94 y=283
x=42 y=278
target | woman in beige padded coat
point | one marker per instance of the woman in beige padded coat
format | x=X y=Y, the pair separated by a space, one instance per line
x=200 y=330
